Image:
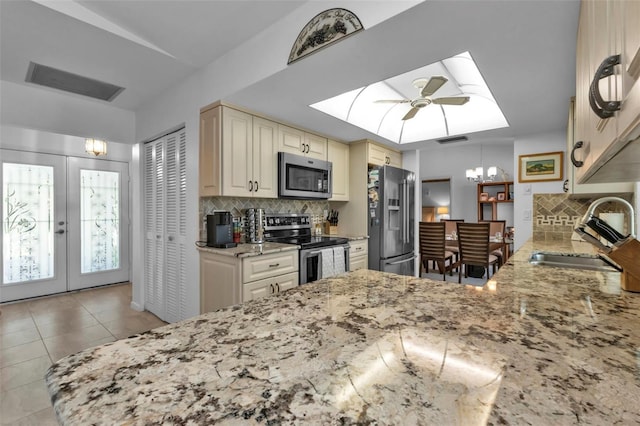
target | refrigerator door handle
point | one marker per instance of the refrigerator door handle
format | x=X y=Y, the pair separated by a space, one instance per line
x=403 y=261
x=405 y=212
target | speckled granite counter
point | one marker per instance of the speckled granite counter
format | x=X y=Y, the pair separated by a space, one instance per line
x=536 y=345
x=248 y=250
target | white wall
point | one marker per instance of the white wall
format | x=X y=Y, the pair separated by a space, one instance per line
x=56 y=112
x=452 y=161
x=523 y=204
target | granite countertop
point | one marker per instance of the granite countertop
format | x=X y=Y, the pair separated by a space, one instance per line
x=535 y=345
x=248 y=250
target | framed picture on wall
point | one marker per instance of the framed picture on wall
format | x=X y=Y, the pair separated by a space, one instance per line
x=542 y=167
x=501 y=196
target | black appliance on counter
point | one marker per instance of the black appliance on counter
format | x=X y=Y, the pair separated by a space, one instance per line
x=220 y=230
x=292 y=228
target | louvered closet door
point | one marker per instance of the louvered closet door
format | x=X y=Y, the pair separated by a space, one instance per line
x=154 y=228
x=176 y=210
x=165 y=226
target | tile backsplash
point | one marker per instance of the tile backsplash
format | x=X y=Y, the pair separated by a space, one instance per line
x=238 y=205
x=555 y=216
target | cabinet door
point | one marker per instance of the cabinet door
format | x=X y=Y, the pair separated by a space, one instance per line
x=210 y=123
x=357 y=263
x=291 y=140
x=220 y=283
x=338 y=155
x=287 y=281
x=394 y=159
x=629 y=114
x=316 y=146
x=377 y=155
x=258 y=289
x=265 y=158
x=237 y=153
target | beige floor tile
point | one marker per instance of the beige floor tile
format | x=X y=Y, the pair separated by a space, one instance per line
x=46 y=417
x=73 y=313
x=60 y=350
x=115 y=313
x=14 y=311
x=25 y=372
x=133 y=324
x=66 y=326
x=18 y=338
x=21 y=353
x=16 y=324
x=109 y=302
x=50 y=303
x=23 y=401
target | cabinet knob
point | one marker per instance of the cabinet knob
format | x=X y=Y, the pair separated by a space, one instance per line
x=602 y=108
x=575 y=162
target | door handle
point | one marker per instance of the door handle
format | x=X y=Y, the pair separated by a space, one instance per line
x=256 y=182
x=250 y=186
x=402 y=261
x=278 y=287
x=575 y=162
x=60 y=231
x=602 y=108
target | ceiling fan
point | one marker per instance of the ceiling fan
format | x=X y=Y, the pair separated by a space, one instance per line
x=426 y=89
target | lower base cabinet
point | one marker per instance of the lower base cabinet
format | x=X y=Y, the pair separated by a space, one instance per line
x=358 y=255
x=227 y=280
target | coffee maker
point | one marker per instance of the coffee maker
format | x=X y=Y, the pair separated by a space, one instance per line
x=220 y=230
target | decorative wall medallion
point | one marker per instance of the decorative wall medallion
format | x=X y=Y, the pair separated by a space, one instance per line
x=324 y=29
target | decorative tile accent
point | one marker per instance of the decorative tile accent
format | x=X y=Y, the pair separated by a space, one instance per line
x=557 y=215
x=237 y=207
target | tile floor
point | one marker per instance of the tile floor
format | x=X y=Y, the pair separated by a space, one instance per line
x=36 y=333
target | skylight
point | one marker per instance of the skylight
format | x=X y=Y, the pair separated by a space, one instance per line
x=359 y=107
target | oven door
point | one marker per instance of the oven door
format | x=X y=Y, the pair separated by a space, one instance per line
x=311 y=263
x=303 y=177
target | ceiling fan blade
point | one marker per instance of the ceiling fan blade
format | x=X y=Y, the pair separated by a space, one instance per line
x=412 y=113
x=432 y=85
x=392 y=101
x=456 y=100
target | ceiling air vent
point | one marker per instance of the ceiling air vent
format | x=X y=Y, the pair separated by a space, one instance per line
x=453 y=139
x=63 y=80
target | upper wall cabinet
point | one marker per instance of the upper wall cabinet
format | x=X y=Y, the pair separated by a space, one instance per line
x=300 y=142
x=338 y=155
x=607 y=110
x=241 y=154
x=210 y=135
x=383 y=156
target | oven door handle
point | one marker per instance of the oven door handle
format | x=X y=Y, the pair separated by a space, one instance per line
x=403 y=261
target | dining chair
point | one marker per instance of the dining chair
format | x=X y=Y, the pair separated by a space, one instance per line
x=473 y=240
x=450 y=228
x=496 y=226
x=433 y=247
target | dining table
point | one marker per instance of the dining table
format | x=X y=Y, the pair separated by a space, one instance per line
x=495 y=243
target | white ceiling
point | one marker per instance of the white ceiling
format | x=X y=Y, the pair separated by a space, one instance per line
x=525 y=50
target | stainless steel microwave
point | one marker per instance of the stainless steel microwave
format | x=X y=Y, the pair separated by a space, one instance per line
x=303 y=177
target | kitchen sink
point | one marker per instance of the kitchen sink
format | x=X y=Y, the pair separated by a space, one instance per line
x=571 y=260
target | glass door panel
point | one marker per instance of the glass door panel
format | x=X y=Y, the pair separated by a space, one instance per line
x=33 y=225
x=97 y=205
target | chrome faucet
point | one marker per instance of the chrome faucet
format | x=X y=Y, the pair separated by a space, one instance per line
x=592 y=208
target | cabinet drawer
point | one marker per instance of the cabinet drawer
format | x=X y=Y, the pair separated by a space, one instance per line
x=358 y=248
x=259 y=267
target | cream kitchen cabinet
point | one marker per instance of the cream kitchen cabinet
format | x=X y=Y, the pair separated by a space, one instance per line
x=338 y=155
x=607 y=92
x=296 y=141
x=571 y=186
x=358 y=254
x=381 y=155
x=228 y=280
x=248 y=155
x=210 y=134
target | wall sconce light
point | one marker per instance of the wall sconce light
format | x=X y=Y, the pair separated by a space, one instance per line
x=95 y=147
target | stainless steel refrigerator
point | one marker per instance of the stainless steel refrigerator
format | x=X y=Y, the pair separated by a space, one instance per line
x=391 y=220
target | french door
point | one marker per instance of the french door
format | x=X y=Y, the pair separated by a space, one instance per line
x=65 y=224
